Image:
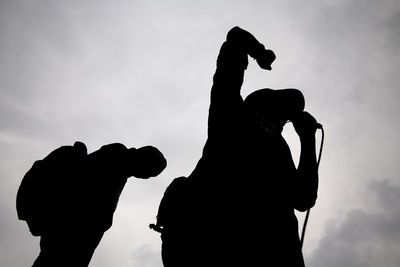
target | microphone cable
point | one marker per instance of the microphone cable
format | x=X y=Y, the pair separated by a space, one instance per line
x=303 y=232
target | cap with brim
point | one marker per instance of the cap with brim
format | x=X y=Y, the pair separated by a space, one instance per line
x=276 y=104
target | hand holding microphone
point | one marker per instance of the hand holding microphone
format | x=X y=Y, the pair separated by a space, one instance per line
x=305 y=125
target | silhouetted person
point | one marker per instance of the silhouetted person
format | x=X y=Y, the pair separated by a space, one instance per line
x=239 y=209
x=69 y=197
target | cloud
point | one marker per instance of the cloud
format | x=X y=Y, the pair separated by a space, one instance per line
x=365 y=237
x=139 y=72
x=146 y=256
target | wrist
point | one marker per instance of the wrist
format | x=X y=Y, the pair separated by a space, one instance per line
x=307 y=138
x=257 y=51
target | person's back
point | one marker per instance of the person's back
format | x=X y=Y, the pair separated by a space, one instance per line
x=44 y=193
x=79 y=198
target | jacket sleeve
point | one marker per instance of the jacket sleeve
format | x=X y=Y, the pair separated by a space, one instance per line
x=226 y=101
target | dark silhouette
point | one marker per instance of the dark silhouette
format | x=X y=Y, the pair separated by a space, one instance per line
x=69 y=197
x=237 y=206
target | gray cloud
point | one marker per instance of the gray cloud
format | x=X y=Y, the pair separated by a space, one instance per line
x=139 y=72
x=364 y=237
x=146 y=256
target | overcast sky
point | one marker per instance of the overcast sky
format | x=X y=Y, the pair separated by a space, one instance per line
x=140 y=72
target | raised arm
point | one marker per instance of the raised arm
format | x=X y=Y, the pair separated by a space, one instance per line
x=232 y=61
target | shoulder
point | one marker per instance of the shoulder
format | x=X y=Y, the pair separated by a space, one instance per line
x=114 y=147
x=109 y=152
x=59 y=152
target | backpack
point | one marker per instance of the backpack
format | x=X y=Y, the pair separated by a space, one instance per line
x=43 y=193
x=174 y=220
x=172 y=207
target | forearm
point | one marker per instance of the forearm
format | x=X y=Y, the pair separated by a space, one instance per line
x=246 y=42
x=307 y=175
x=232 y=59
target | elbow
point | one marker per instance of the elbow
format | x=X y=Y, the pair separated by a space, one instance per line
x=305 y=205
x=235 y=30
x=234 y=34
x=303 y=208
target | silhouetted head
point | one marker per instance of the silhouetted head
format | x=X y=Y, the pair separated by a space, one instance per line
x=275 y=106
x=149 y=162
